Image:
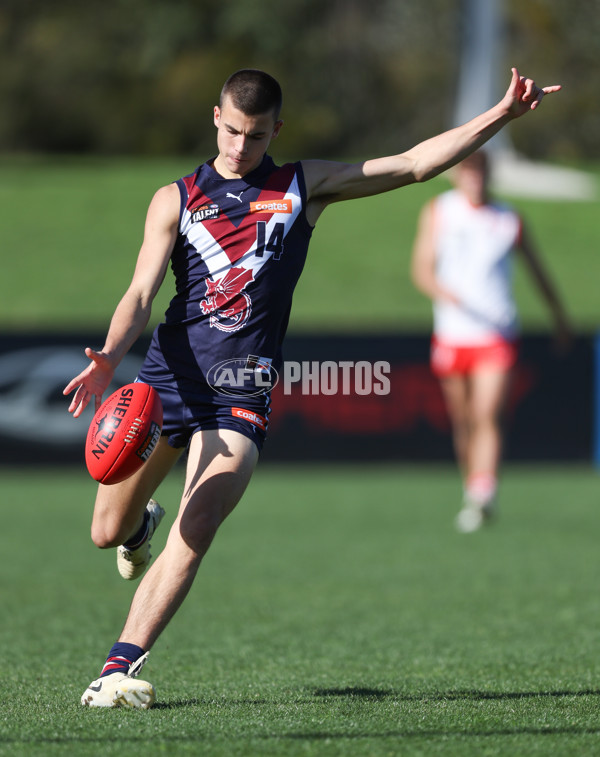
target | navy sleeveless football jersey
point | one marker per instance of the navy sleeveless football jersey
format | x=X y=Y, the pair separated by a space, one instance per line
x=241 y=247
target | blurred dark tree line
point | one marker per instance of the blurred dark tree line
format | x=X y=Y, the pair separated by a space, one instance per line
x=142 y=76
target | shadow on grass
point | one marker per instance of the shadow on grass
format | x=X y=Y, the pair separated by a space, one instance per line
x=374 y=694
x=367 y=694
x=360 y=692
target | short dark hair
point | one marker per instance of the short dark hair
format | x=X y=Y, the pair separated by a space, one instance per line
x=253 y=92
x=478 y=160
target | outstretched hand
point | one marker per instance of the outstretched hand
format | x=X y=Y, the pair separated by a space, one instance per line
x=523 y=94
x=91 y=382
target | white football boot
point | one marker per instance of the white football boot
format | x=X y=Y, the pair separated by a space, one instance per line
x=474 y=514
x=121 y=690
x=133 y=562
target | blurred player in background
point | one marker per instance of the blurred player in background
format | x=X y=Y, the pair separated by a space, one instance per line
x=235 y=232
x=462 y=261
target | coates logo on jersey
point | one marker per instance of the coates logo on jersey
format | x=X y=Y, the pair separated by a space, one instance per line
x=229 y=306
x=271 y=206
x=243 y=376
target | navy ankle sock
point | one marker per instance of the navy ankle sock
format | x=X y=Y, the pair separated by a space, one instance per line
x=120 y=658
x=140 y=536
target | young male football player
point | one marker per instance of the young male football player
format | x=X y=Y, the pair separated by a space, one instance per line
x=462 y=260
x=236 y=233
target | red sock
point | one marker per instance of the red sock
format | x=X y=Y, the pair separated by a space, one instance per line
x=481 y=487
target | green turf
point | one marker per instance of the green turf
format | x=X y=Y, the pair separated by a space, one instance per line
x=338 y=613
x=72 y=228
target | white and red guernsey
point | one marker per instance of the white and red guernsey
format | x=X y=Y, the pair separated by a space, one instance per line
x=241 y=247
x=473 y=249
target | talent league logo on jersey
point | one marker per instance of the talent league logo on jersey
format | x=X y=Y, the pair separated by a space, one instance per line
x=204 y=212
x=229 y=306
x=243 y=376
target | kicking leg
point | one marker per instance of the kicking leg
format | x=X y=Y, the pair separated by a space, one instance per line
x=125 y=516
x=119 y=508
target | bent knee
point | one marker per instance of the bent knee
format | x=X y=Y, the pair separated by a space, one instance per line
x=115 y=520
x=107 y=534
x=104 y=539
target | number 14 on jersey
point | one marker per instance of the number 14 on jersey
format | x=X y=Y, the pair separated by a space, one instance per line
x=274 y=244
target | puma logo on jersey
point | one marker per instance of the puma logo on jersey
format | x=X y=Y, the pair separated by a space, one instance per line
x=235 y=197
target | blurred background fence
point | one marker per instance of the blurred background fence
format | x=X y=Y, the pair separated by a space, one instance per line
x=103 y=103
x=321 y=411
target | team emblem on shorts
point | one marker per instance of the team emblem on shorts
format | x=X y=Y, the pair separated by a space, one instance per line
x=229 y=306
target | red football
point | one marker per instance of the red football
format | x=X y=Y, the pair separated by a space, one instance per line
x=123 y=433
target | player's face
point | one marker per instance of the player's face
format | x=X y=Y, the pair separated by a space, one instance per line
x=242 y=140
x=472 y=180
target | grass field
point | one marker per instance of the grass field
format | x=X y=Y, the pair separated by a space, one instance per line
x=338 y=613
x=72 y=228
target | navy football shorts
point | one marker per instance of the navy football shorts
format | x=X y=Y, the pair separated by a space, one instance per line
x=189 y=409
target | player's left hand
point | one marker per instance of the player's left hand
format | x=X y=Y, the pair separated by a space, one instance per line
x=524 y=95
